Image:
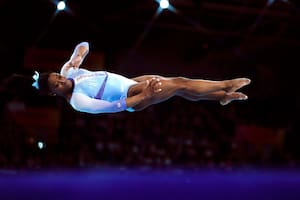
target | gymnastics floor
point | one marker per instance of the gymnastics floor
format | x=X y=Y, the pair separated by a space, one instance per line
x=148 y=184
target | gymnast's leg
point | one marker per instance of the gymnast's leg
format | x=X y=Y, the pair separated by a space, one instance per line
x=196 y=87
x=223 y=97
x=192 y=89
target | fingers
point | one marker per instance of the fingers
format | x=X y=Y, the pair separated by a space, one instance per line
x=76 y=62
x=155 y=84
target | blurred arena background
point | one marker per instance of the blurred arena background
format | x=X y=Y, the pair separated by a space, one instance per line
x=211 y=39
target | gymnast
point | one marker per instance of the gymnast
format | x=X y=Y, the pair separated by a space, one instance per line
x=105 y=92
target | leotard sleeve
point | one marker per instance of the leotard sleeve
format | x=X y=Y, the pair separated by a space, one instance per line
x=83 y=103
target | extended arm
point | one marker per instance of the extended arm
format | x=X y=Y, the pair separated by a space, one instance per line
x=83 y=103
x=77 y=57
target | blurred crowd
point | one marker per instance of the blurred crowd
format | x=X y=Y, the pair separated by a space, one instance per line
x=173 y=133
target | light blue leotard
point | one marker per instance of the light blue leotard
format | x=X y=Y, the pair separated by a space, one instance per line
x=99 y=91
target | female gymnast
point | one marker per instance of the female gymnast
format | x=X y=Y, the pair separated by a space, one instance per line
x=105 y=92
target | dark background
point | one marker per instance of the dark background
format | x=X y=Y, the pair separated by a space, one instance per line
x=206 y=39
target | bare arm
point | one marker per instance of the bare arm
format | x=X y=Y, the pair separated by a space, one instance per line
x=145 y=93
x=77 y=57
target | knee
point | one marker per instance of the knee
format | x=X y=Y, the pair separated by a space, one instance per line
x=180 y=83
x=179 y=79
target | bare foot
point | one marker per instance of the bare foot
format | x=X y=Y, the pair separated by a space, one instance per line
x=235 y=84
x=228 y=97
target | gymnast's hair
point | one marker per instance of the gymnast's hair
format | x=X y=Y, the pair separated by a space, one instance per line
x=23 y=82
x=43 y=86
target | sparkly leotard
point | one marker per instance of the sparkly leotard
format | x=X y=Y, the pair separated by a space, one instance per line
x=98 y=91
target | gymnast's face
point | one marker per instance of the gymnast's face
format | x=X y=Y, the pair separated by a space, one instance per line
x=59 y=85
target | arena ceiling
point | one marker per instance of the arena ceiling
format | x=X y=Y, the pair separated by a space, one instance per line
x=115 y=25
x=35 y=21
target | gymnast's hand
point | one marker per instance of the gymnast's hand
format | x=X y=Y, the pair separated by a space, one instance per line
x=155 y=84
x=151 y=87
x=76 y=61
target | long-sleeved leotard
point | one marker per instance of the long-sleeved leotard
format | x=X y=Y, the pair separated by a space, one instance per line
x=99 y=91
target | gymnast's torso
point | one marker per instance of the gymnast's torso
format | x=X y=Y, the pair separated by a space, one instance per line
x=98 y=91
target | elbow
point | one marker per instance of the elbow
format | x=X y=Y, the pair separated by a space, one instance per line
x=86 y=47
x=84 y=44
x=82 y=49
